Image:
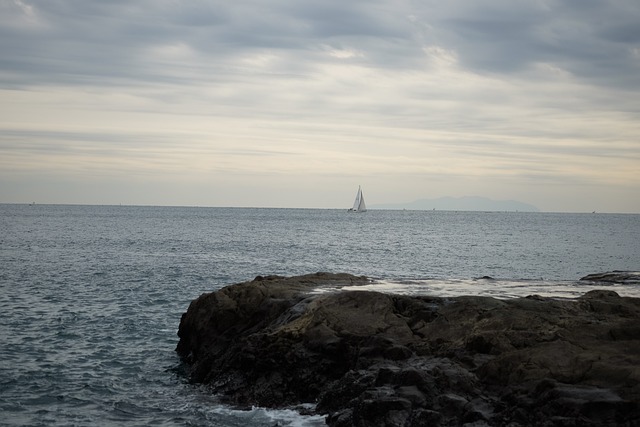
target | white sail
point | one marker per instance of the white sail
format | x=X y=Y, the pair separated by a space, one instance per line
x=361 y=206
x=358 y=204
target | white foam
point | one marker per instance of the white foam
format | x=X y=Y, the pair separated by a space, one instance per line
x=270 y=417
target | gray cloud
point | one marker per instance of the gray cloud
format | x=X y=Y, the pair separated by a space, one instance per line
x=71 y=41
x=593 y=40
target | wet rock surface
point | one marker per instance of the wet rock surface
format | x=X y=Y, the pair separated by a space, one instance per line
x=373 y=359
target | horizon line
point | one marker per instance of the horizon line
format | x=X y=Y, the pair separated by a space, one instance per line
x=371 y=208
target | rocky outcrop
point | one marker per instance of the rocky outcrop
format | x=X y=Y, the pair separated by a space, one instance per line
x=373 y=359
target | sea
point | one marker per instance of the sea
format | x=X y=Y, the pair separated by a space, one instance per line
x=91 y=296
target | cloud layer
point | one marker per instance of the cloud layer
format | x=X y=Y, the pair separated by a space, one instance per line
x=254 y=103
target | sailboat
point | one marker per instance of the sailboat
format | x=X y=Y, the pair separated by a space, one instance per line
x=358 y=205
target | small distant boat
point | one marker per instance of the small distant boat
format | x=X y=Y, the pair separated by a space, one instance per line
x=358 y=205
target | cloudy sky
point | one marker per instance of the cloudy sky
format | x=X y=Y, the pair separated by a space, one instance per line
x=294 y=103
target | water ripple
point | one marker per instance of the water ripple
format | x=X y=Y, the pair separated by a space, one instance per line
x=91 y=296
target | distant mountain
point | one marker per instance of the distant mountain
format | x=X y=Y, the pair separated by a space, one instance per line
x=462 y=204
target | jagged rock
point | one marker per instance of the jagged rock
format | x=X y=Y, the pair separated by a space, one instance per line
x=373 y=359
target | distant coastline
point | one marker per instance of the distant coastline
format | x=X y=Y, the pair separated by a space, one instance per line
x=469 y=203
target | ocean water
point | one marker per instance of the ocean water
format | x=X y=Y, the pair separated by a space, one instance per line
x=91 y=296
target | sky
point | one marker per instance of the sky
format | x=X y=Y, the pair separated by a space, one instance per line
x=294 y=103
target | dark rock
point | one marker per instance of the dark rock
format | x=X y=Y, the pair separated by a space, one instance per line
x=372 y=359
x=627 y=277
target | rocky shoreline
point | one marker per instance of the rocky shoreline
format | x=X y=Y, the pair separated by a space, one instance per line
x=371 y=359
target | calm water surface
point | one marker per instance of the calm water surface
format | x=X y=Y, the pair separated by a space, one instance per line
x=91 y=296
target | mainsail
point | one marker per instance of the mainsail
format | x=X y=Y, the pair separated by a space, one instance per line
x=358 y=204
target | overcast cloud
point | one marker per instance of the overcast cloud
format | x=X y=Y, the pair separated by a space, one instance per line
x=294 y=103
